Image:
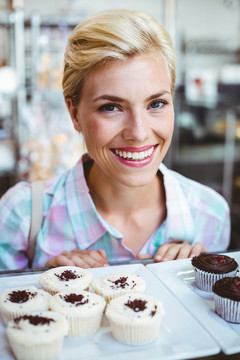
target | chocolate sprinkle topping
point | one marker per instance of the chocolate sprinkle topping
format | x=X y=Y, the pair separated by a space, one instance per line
x=137 y=305
x=67 y=275
x=20 y=296
x=122 y=283
x=76 y=299
x=153 y=312
x=34 y=319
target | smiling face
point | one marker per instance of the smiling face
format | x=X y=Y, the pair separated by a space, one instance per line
x=126 y=116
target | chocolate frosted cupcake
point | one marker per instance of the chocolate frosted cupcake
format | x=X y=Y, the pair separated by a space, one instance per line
x=211 y=267
x=22 y=301
x=227 y=298
x=113 y=285
x=38 y=336
x=82 y=309
x=135 y=318
x=65 y=278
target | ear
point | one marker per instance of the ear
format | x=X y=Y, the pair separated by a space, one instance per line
x=74 y=114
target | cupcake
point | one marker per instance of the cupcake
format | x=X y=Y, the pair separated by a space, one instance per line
x=226 y=292
x=65 y=278
x=82 y=309
x=22 y=301
x=113 y=285
x=38 y=336
x=209 y=268
x=135 y=318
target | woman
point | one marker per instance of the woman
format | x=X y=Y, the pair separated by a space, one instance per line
x=119 y=201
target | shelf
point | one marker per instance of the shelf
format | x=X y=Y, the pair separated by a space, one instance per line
x=203 y=154
x=208 y=47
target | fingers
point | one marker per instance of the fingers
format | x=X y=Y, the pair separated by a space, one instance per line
x=59 y=261
x=197 y=249
x=167 y=252
x=178 y=250
x=98 y=257
x=81 y=258
x=143 y=256
x=184 y=251
x=89 y=259
x=102 y=253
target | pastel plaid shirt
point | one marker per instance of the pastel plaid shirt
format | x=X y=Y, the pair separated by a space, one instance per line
x=71 y=221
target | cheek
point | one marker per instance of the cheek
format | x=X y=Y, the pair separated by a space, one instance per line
x=166 y=126
x=96 y=134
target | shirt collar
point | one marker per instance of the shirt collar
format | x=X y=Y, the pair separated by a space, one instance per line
x=87 y=224
x=179 y=220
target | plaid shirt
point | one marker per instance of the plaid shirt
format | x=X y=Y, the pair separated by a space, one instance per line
x=71 y=221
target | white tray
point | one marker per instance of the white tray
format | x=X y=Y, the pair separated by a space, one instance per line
x=178 y=276
x=180 y=337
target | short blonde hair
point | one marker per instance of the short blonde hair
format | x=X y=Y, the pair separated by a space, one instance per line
x=109 y=36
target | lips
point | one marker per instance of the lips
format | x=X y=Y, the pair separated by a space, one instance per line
x=137 y=155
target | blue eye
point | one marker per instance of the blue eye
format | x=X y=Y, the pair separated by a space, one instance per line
x=157 y=104
x=108 y=108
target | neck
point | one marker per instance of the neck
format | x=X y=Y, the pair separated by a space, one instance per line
x=111 y=198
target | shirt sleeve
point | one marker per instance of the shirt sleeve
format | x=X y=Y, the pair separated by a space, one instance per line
x=222 y=235
x=213 y=229
x=15 y=215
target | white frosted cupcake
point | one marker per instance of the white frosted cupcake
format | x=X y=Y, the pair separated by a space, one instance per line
x=135 y=318
x=38 y=336
x=82 y=309
x=113 y=285
x=65 y=278
x=22 y=301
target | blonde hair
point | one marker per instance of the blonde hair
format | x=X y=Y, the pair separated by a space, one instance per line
x=113 y=35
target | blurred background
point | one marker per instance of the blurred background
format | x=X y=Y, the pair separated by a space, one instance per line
x=37 y=139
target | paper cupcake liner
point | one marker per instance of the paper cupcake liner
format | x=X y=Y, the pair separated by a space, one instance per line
x=228 y=309
x=81 y=327
x=108 y=298
x=131 y=334
x=51 y=292
x=113 y=295
x=37 y=352
x=103 y=287
x=8 y=316
x=54 y=292
x=205 y=280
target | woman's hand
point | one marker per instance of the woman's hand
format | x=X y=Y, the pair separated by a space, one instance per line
x=82 y=258
x=176 y=250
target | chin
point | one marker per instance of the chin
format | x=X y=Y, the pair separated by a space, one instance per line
x=137 y=180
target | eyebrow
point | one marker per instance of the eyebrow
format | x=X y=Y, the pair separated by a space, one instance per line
x=159 y=94
x=119 y=99
x=108 y=97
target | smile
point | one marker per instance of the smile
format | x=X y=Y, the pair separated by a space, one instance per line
x=134 y=155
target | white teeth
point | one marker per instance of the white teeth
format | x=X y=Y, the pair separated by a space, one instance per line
x=142 y=155
x=135 y=155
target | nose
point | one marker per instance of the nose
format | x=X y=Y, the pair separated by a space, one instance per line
x=137 y=127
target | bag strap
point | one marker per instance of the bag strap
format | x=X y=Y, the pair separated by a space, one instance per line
x=36 y=218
